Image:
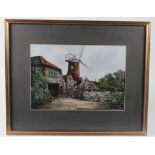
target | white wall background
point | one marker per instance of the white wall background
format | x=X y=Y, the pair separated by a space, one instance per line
x=151 y=108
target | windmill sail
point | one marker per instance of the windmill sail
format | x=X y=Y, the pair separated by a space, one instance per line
x=74 y=64
x=81 y=53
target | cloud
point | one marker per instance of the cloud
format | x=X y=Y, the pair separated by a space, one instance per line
x=101 y=59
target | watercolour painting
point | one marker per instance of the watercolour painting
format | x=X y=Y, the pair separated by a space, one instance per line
x=78 y=77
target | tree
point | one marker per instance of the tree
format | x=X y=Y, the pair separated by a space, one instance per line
x=119 y=80
x=112 y=82
x=107 y=83
x=119 y=75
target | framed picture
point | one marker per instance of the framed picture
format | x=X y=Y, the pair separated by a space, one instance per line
x=68 y=77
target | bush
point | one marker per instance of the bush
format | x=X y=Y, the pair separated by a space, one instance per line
x=113 y=82
x=40 y=95
x=115 y=99
x=39 y=91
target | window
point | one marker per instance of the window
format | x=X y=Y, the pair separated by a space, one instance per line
x=51 y=72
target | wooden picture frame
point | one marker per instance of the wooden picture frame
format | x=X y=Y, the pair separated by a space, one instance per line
x=9 y=77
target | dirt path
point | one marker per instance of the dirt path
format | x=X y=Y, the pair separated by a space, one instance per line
x=72 y=104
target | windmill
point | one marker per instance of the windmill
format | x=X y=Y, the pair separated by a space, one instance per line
x=74 y=64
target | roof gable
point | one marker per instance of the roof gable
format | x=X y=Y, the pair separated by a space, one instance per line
x=39 y=60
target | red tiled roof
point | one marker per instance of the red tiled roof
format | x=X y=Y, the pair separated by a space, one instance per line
x=42 y=61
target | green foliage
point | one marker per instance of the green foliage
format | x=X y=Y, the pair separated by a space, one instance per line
x=115 y=99
x=39 y=91
x=112 y=82
x=107 y=83
x=94 y=88
x=119 y=80
x=119 y=75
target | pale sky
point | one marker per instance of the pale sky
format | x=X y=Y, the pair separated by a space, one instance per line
x=101 y=59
